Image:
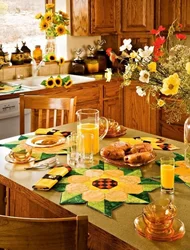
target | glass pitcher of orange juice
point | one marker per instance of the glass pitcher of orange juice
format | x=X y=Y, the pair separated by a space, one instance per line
x=88 y=123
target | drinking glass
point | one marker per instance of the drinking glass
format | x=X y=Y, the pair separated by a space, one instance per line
x=86 y=142
x=21 y=154
x=72 y=149
x=167 y=165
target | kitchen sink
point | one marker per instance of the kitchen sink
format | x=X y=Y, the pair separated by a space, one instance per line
x=35 y=82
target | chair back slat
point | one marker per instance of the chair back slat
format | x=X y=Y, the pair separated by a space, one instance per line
x=18 y=233
x=47 y=111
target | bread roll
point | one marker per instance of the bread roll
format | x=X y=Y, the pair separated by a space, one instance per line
x=141 y=147
x=111 y=152
x=122 y=145
x=136 y=158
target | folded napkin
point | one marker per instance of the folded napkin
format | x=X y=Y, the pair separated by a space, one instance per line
x=157 y=143
x=49 y=131
x=51 y=178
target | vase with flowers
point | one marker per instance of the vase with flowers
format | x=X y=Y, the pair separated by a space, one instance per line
x=162 y=69
x=54 y=24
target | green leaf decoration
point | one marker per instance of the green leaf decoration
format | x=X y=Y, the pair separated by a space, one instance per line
x=67 y=198
x=105 y=206
x=60 y=187
x=179 y=157
x=23 y=137
x=8 y=145
x=65 y=79
x=99 y=166
x=109 y=167
x=178 y=180
x=43 y=83
x=136 y=172
x=187 y=184
x=150 y=187
x=78 y=171
x=97 y=205
x=138 y=198
x=110 y=206
x=149 y=181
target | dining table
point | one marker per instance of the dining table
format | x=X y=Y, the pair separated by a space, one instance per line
x=116 y=232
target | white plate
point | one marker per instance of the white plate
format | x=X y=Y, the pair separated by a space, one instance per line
x=45 y=141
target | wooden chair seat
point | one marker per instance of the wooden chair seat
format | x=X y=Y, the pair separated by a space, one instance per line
x=46 y=111
x=43 y=234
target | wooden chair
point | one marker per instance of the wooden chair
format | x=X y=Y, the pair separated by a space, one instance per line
x=44 y=234
x=47 y=111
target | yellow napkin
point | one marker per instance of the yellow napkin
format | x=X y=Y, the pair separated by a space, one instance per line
x=157 y=143
x=49 y=131
x=51 y=178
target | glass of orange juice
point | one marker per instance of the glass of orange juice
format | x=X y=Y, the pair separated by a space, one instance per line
x=167 y=165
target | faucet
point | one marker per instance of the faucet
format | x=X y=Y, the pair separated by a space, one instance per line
x=36 y=67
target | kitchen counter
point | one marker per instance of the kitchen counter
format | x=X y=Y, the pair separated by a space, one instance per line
x=105 y=233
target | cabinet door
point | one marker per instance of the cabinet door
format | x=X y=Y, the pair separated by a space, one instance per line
x=185 y=17
x=113 y=101
x=137 y=15
x=80 y=19
x=104 y=16
x=137 y=112
x=167 y=11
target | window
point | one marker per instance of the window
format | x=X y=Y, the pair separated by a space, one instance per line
x=18 y=24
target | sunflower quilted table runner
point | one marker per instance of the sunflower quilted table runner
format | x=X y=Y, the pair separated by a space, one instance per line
x=105 y=187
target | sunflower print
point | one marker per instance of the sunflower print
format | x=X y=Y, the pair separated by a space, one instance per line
x=48 y=16
x=49 y=6
x=51 y=57
x=50 y=83
x=60 y=30
x=44 y=25
x=61 y=61
x=58 y=81
x=68 y=83
x=38 y=16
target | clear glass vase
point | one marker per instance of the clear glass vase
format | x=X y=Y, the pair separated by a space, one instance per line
x=50 y=45
x=187 y=141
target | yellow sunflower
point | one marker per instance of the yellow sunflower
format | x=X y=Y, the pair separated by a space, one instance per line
x=171 y=85
x=38 y=16
x=48 y=16
x=64 y=15
x=58 y=81
x=49 y=6
x=50 y=83
x=152 y=66
x=60 y=30
x=68 y=83
x=161 y=103
x=44 y=25
x=51 y=57
x=61 y=61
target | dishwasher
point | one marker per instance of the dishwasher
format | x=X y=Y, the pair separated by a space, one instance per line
x=10 y=118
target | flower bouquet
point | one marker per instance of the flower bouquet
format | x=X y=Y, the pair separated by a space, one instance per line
x=163 y=70
x=53 y=23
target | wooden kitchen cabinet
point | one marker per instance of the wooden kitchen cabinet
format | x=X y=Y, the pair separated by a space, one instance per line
x=137 y=112
x=94 y=17
x=113 y=101
x=137 y=16
x=166 y=12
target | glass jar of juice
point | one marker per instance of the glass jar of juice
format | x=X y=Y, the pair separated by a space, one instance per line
x=37 y=54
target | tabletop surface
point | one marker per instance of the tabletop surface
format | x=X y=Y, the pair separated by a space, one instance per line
x=121 y=225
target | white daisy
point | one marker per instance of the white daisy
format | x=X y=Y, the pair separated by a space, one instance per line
x=144 y=76
x=140 y=91
x=146 y=52
x=126 y=45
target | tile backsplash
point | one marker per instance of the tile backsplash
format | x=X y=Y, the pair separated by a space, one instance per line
x=14 y=72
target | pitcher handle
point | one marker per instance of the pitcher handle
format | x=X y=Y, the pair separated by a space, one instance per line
x=106 y=127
